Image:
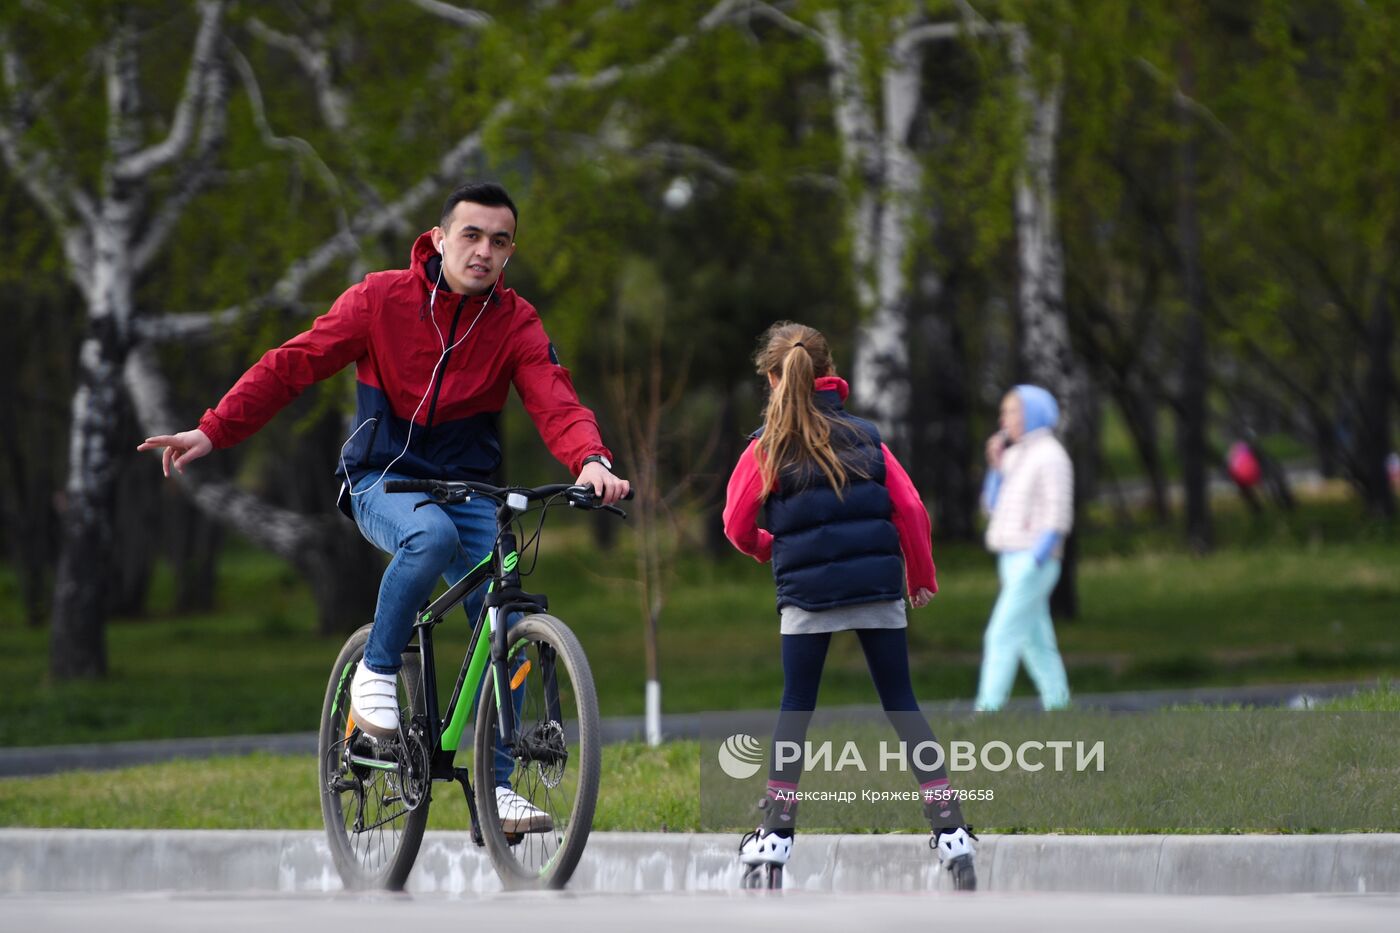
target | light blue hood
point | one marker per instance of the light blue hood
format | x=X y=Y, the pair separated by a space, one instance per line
x=1039 y=407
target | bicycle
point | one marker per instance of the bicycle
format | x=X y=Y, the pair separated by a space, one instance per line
x=375 y=793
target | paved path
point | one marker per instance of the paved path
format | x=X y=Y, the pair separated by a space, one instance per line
x=55 y=758
x=682 y=913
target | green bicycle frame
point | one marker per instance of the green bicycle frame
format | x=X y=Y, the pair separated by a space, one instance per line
x=447 y=731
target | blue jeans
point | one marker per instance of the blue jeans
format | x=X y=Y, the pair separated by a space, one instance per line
x=1021 y=630
x=446 y=541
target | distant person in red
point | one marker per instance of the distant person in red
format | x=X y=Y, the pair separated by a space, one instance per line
x=1243 y=465
x=849 y=538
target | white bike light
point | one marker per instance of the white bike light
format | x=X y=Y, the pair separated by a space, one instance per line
x=517 y=502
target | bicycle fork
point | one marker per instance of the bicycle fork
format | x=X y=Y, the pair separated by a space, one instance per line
x=497 y=616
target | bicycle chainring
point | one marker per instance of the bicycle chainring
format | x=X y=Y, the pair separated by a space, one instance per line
x=415 y=769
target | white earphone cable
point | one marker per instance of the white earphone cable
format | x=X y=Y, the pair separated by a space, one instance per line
x=432 y=299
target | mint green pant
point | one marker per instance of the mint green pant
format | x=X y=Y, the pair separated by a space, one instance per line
x=1020 y=630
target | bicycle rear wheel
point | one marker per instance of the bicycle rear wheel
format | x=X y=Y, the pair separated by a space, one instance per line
x=374 y=799
x=557 y=757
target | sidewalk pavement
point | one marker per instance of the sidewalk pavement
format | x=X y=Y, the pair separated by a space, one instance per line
x=91 y=861
x=50 y=759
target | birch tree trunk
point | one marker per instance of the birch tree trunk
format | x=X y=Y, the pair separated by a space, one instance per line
x=1045 y=350
x=105 y=273
x=887 y=180
x=77 y=645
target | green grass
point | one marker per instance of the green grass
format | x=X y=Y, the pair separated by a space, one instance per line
x=1311 y=596
x=1384 y=699
x=651 y=789
x=1178 y=771
x=658 y=789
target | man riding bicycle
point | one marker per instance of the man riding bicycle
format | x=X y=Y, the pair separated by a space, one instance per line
x=435 y=348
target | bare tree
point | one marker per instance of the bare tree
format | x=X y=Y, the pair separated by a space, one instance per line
x=645 y=402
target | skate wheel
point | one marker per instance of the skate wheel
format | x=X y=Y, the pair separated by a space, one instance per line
x=964 y=875
x=762 y=878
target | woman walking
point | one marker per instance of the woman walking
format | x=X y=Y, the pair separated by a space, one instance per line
x=1029 y=492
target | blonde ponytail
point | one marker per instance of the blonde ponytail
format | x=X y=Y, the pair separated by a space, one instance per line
x=794 y=429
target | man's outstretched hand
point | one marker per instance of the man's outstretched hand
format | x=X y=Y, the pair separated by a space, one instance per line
x=183 y=448
x=607 y=487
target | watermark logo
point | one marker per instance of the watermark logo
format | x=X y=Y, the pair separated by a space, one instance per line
x=740 y=756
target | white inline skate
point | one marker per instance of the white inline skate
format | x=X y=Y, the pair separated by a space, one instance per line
x=763 y=855
x=955 y=852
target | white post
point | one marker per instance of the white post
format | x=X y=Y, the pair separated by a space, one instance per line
x=653 y=713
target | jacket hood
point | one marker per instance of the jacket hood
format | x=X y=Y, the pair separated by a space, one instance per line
x=426 y=263
x=423 y=253
x=1038 y=407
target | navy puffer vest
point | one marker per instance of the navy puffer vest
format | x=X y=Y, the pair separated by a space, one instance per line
x=831 y=551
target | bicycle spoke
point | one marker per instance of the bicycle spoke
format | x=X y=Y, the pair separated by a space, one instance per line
x=548 y=767
x=372 y=832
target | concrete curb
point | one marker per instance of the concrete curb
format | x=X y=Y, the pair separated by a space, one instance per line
x=44 y=860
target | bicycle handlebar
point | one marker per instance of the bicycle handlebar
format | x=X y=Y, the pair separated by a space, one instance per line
x=447 y=490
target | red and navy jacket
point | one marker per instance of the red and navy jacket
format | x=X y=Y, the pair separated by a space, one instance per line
x=385 y=326
x=830 y=550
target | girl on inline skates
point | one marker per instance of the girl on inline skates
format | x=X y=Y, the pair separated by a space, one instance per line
x=848 y=536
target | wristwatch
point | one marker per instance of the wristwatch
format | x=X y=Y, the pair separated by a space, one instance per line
x=597 y=458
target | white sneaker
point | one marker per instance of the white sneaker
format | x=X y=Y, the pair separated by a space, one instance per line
x=374 y=702
x=519 y=815
x=760 y=848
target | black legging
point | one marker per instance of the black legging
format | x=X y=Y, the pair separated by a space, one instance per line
x=887 y=656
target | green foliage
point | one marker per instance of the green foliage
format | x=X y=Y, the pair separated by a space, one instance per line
x=591 y=111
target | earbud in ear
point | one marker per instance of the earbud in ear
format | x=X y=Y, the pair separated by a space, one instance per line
x=442 y=247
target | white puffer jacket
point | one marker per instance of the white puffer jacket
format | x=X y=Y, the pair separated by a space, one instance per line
x=1036 y=494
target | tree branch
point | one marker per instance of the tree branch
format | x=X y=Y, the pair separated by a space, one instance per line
x=314 y=60
x=182 y=129
x=178 y=327
x=379 y=218
x=40 y=174
x=283 y=532
x=194 y=174
x=288 y=143
x=940 y=32
x=778 y=18
x=471 y=19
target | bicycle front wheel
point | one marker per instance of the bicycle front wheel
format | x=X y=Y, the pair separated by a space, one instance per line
x=374 y=793
x=555 y=763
